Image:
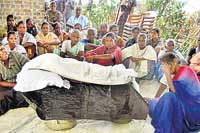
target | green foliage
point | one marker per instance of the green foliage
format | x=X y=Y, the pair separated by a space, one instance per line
x=105 y=12
x=170 y=16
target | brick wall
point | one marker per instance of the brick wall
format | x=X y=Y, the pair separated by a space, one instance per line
x=22 y=9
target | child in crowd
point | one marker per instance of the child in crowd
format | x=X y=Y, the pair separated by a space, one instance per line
x=91 y=42
x=73 y=48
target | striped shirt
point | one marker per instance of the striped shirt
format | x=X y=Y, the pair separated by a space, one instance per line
x=16 y=62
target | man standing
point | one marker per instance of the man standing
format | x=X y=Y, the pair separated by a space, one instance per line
x=68 y=9
x=125 y=8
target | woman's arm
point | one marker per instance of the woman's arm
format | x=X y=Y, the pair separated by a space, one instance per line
x=103 y=57
x=79 y=56
x=7 y=84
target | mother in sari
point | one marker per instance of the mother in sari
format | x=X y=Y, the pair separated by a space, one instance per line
x=140 y=58
x=177 y=111
x=107 y=55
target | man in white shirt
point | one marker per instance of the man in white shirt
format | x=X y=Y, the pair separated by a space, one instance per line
x=78 y=18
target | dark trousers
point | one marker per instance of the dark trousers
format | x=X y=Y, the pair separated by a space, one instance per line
x=10 y=99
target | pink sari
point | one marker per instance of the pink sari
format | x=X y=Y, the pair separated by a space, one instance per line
x=115 y=51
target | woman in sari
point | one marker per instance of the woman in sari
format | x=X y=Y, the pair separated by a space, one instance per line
x=140 y=58
x=47 y=41
x=107 y=55
x=177 y=111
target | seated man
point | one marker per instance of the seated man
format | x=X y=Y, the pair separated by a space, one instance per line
x=140 y=58
x=135 y=32
x=119 y=41
x=155 y=40
x=11 y=25
x=177 y=111
x=102 y=31
x=91 y=42
x=10 y=64
x=78 y=18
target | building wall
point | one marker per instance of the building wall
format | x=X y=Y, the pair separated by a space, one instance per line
x=22 y=9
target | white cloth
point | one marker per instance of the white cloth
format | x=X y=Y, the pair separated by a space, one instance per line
x=82 y=71
x=18 y=48
x=148 y=53
x=27 y=38
x=32 y=80
x=4 y=41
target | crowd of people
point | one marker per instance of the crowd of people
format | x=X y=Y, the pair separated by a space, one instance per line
x=146 y=53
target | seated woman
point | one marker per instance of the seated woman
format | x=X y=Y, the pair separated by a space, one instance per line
x=170 y=46
x=140 y=58
x=10 y=66
x=177 y=111
x=47 y=41
x=108 y=54
x=53 y=15
x=73 y=48
x=12 y=44
x=195 y=65
x=31 y=27
x=26 y=40
x=91 y=42
x=62 y=36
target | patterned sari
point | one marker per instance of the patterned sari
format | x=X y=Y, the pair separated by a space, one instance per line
x=178 y=112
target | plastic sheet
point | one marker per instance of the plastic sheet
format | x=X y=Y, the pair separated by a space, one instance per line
x=118 y=103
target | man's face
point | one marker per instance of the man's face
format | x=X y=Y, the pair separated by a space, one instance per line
x=21 y=29
x=12 y=41
x=3 y=54
x=57 y=28
x=29 y=24
x=115 y=30
x=154 y=35
x=135 y=33
x=78 y=12
x=91 y=35
x=11 y=22
x=103 y=29
x=170 y=46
